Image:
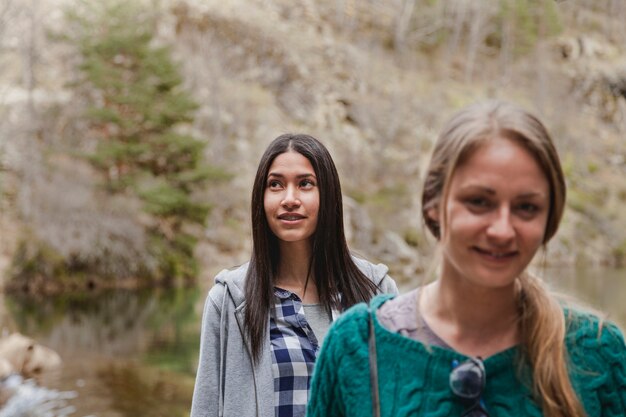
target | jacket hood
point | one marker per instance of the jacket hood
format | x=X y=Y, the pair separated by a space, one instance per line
x=234 y=279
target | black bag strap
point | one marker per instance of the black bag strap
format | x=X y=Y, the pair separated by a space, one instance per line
x=373 y=359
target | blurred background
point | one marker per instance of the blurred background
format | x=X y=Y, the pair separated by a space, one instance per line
x=130 y=133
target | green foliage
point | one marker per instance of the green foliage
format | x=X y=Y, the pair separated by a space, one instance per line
x=389 y=197
x=522 y=22
x=175 y=256
x=178 y=318
x=358 y=195
x=38 y=268
x=137 y=106
x=619 y=254
x=592 y=167
x=413 y=237
x=37 y=259
x=165 y=200
x=530 y=20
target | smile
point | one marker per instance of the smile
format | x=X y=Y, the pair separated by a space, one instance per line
x=496 y=254
x=290 y=217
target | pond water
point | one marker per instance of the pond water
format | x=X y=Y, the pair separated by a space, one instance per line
x=600 y=288
x=126 y=354
x=134 y=354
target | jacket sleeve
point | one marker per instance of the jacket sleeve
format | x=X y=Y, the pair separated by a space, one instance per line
x=325 y=398
x=206 y=394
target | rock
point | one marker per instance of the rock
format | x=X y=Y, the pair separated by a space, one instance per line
x=6 y=368
x=357 y=225
x=394 y=249
x=21 y=354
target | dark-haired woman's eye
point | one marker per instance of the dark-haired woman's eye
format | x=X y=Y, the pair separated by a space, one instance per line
x=273 y=184
x=307 y=184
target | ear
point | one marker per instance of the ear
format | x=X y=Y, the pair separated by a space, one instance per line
x=433 y=213
x=432 y=221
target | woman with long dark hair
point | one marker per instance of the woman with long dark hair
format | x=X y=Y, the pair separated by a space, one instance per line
x=264 y=321
x=485 y=338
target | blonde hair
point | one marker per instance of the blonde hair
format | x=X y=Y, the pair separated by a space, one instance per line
x=542 y=321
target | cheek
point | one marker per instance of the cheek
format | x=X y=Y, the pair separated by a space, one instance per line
x=534 y=233
x=316 y=208
x=268 y=204
x=460 y=221
x=313 y=204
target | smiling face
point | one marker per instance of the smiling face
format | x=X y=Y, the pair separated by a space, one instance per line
x=291 y=198
x=495 y=215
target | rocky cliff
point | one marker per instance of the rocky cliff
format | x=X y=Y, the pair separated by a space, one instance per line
x=374 y=80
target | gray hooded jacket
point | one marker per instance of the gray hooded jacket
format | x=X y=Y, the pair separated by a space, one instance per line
x=227 y=384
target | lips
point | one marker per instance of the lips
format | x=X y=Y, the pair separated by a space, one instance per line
x=290 y=217
x=496 y=254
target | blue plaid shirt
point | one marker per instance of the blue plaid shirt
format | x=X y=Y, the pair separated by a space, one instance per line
x=294 y=349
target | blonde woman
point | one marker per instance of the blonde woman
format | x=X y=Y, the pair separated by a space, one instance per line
x=485 y=338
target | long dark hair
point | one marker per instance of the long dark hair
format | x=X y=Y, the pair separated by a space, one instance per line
x=334 y=271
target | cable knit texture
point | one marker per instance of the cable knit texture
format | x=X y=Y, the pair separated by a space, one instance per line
x=413 y=381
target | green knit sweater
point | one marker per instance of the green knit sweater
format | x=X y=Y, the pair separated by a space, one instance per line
x=414 y=381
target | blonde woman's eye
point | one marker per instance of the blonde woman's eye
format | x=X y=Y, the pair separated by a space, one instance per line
x=528 y=208
x=478 y=202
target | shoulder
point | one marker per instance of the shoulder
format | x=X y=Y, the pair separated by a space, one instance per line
x=597 y=357
x=583 y=325
x=377 y=273
x=351 y=317
x=351 y=323
x=231 y=280
x=590 y=335
x=235 y=274
x=355 y=319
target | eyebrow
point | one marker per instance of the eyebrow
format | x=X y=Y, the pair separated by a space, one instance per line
x=279 y=175
x=491 y=191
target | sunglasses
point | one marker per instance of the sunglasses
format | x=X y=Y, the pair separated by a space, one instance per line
x=467 y=381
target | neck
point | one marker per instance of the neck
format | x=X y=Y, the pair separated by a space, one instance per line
x=475 y=321
x=293 y=270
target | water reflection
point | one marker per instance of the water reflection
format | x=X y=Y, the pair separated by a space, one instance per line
x=125 y=353
x=133 y=354
x=601 y=288
x=31 y=400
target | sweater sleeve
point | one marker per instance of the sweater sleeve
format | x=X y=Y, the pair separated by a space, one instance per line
x=325 y=396
x=206 y=397
x=613 y=351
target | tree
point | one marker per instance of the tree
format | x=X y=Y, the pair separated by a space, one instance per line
x=137 y=114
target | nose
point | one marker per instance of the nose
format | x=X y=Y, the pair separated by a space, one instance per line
x=501 y=228
x=291 y=198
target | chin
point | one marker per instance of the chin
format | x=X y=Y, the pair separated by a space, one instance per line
x=500 y=283
x=288 y=238
x=491 y=280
